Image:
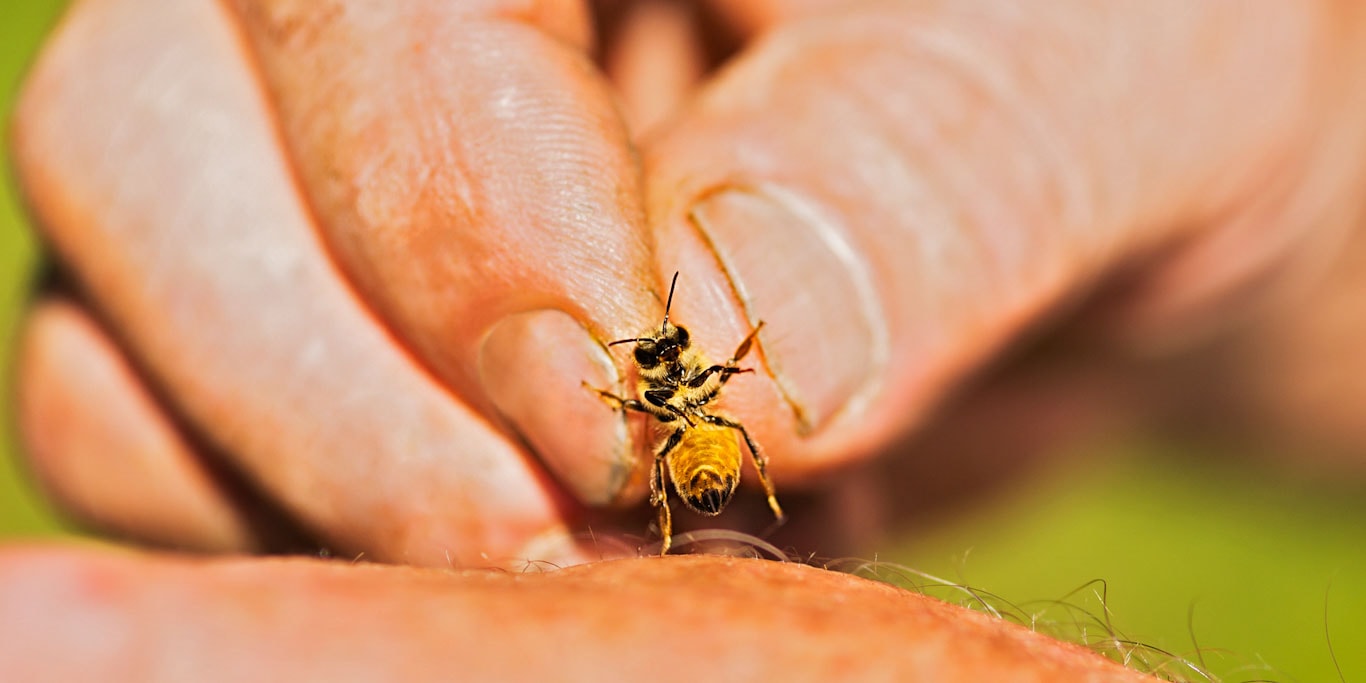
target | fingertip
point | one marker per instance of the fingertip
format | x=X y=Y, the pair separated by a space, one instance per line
x=655 y=61
x=103 y=447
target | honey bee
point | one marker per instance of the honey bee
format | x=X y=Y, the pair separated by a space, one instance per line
x=701 y=454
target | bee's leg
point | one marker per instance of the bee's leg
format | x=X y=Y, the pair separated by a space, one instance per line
x=760 y=460
x=665 y=413
x=617 y=402
x=697 y=382
x=743 y=349
x=725 y=370
x=660 y=500
x=660 y=398
x=729 y=369
x=659 y=491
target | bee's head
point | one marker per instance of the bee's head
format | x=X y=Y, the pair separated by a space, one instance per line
x=672 y=342
x=667 y=346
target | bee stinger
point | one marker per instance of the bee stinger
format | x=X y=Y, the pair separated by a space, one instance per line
x=701 y=454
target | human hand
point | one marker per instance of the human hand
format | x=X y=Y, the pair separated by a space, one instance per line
x=85 y=615
x=372 y=281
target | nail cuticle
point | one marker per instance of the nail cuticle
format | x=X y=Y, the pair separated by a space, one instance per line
x=529 y=356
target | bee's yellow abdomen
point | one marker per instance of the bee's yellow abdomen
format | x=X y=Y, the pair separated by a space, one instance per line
x=705 y=467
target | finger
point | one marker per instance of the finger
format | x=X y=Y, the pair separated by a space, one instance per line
x=655 y=60
x=898 y=191
x=472 y=177
x=752 y=17
x=148 y=153
x=77 y=615
x=1293 y=387
x=99 y=443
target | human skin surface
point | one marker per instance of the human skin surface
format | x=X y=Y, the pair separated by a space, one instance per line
x=660 y=619
x=342 y=268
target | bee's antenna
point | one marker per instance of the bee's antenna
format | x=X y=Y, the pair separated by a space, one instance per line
x=624 y=341
x=669 y=304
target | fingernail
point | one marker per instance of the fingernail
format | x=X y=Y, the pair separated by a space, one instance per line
x=825 y=334
x=533 y=366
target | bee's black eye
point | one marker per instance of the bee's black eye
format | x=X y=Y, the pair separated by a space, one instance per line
x=682 y=336
x=646 y=356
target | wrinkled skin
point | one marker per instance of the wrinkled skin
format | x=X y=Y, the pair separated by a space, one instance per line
x=335 y=272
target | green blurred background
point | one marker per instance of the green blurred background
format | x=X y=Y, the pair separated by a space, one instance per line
x=1261 y=568
x=22 y=26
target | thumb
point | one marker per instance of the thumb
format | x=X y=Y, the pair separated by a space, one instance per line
x=898 y=191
